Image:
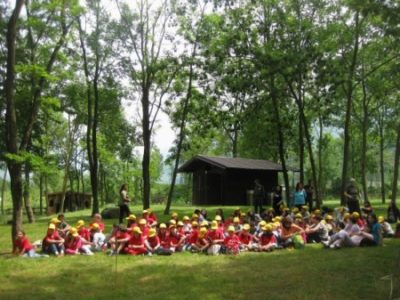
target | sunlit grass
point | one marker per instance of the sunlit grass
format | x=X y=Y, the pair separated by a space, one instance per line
x=312 y=273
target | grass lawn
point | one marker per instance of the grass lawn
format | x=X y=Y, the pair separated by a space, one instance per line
x=312 y=273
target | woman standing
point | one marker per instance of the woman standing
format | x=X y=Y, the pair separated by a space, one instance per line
x=124 y=202
x=299 y=195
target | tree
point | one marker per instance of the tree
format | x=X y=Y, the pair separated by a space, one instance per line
x=150 y=66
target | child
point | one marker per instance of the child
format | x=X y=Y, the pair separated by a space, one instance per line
x=387 y=229
x=24 y=248
x=187 y=226
x=135 y=245
x=216 y=239
x=245 y=238
x=52 y=242
x=201 y=243
x=232 y=242
x=97 y=220
x=152 y=242
x=288 y=232
x=120 y=240
x=163 y=235
x=131 y=222
x=98 y=239
x=83 y=231
x=73 y=242
x=176 y=238
x=143 y=227
x=267 y=239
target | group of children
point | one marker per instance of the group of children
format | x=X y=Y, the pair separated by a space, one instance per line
x=144 y=235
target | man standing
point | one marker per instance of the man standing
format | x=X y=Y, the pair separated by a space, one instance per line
x=352 y=195
x=310 y=193
x=259 y=195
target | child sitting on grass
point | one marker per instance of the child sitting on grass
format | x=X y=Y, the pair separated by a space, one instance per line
x=24 y=248
x=52 y=242
x=232 y=242
x=267 y=240
x=201 y=244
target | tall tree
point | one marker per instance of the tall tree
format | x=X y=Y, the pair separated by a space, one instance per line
x=144 y=34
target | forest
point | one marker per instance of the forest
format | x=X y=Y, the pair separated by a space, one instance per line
x=311 y=84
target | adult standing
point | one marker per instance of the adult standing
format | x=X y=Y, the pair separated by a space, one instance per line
x=277 y=200
x=352 y=195
x=123 y=203
x=309 y=188
x=259 y=195
x=299 y=196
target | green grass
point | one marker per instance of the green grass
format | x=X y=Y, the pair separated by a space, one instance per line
x=312 y=273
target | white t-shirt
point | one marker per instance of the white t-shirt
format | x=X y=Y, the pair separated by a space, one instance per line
x=98 y=240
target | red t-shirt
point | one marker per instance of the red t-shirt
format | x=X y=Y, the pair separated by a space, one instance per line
x=232 y=242
x=153 y=241
x=164 y=240
x=74 y=243
x=50 y=236
x=84 y=233
x=266 y=239
x=245 y=237
x=122 y=235
x=145 y=230
x=175 y=237
x=23 y=244
x=192 y=237
x=215 y=235
x=136 y=240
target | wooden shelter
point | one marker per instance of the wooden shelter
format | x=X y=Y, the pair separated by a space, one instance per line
x=73 y=201
x=229 y=181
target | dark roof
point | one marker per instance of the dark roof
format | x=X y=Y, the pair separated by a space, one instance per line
x=231 y=163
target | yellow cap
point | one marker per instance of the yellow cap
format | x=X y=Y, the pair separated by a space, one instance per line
x=142 y=222
x=145 y=211
x=204 y=223
x=295 y=210
x=186 y=218
x=246 y=227
x=202 y=232
x=346 y=216
x=317 y=212
x=236 y=220
x=174 y=215
x=52 y=226
x=218 y=218
x=180 y=223
x=131 y=218
x=55 y=221
x=305 y=207
x=195 y=216
x=94 y=226
x=152 y=232
x=267 y=228
x=73 y=231
x=214 y=225
x=381 y=219
x=195 y=224
x=355 y=215
x=242 y=214
x=136 y=229
x=231 y=228
x=80 y=223
x=163 y=225
x=299 y=216
x=328 y=217
x=262 y=223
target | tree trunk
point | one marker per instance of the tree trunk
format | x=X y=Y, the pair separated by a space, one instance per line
x=349 y=108
x=14 y=167
x=95 y=163
x=396 y=166
x=3 y=189
x=27 y=196
x=146 y=151
x=381 y=158
x=281 y=146
x=301 y=148
x=320 y=148
x=182 y=133
x=364 y=144
x=41 y=194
